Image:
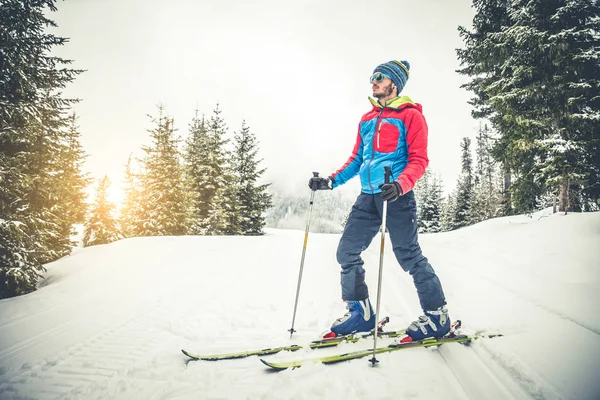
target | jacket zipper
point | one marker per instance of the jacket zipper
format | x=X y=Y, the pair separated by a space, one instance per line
x=377 y=129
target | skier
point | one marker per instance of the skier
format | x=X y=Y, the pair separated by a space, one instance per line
x=392 y=134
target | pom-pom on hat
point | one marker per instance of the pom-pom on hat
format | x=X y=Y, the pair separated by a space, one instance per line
x=397 y=70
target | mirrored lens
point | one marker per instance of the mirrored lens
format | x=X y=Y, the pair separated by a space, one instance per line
x=378 y=77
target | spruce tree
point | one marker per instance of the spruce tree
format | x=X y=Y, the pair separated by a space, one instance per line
x=163 y=196
x=210 y=177
x=464 y=189
x=70 y=188
x=252 y=198
x=132 y=210
x=448 y=214
x=487 y=193
x=481 y=60
x=197 y=174
x=428 y=193
x=32 y=114
x=102 y=225
x=222 y=202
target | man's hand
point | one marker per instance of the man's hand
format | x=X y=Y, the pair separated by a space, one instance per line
x=390 y=191
x=318 y=183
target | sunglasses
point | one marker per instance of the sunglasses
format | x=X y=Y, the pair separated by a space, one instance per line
x=378 y=77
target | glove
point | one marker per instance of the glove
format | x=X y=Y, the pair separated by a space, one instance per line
x=390 y=191
x=318 y=183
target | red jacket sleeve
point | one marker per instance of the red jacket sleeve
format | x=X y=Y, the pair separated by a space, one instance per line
x=416 y=139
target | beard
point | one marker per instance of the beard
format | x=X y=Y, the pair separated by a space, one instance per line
x=385 y=92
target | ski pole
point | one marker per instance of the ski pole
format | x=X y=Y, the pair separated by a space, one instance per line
x=387 y=175
x=312 y=197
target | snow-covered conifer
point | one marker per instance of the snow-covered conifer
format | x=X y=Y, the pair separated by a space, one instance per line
x=464 y=188
x=252 y=198
x=132 y=210
x=102 y=225
x=32 y=116
x=163 y=195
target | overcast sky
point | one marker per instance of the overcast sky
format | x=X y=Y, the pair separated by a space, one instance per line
x=296 y=71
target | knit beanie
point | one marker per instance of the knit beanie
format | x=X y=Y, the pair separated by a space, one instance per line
x=397 y=70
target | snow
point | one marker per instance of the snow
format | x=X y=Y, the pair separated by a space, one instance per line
x=108 y=322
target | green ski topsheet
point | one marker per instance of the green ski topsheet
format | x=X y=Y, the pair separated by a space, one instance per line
x=364 y=353
x=241 y=354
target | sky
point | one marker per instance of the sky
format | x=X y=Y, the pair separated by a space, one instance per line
x=296 y=72
x=109 y=321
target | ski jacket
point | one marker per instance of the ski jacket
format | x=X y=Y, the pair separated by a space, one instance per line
x=393 y=136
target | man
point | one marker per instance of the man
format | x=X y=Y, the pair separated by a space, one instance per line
x=393 y=134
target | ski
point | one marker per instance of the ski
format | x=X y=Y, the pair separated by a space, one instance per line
x=317 y=344
x=241 y=354
x=465 y=339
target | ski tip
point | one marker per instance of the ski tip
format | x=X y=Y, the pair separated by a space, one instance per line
x=189 y=355
x=272 y=365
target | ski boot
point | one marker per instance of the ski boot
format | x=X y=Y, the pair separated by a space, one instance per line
x=434 y=324
x=360 y=317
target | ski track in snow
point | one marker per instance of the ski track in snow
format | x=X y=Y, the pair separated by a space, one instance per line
x=523 y=296
x=69 y=372
x=491 y=382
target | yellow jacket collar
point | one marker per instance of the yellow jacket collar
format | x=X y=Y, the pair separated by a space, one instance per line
x=396 y=102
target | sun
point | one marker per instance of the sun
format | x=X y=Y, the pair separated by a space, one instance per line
x=116 y=195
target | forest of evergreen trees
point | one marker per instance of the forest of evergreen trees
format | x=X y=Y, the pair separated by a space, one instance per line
x=201 y=188
x=533 y=68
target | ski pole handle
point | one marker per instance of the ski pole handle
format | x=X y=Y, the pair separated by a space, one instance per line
x=387 y=175
x=314 y=187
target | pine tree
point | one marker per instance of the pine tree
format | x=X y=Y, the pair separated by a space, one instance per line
x=487 y=193
x=197 y=174
x=101 y=226
x=448 y=214
x=210 y=177
x=70 y=188
x=32 y=113
x=252 y=199
x=481 y=60
x=132 y=211
x=163 y=196
x=464 y=189
x=428 y=193
x=222 y=203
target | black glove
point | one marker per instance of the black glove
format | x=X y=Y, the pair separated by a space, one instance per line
x=318 y=183
x=390 y=191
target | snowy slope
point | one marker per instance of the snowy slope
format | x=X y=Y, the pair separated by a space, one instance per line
x=109 y=321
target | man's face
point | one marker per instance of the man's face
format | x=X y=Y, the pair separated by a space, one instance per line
x=382 y=86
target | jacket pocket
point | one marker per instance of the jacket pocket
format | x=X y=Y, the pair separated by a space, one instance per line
x=386 y=138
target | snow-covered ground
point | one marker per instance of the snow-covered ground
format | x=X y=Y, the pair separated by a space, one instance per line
x=109 y=321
